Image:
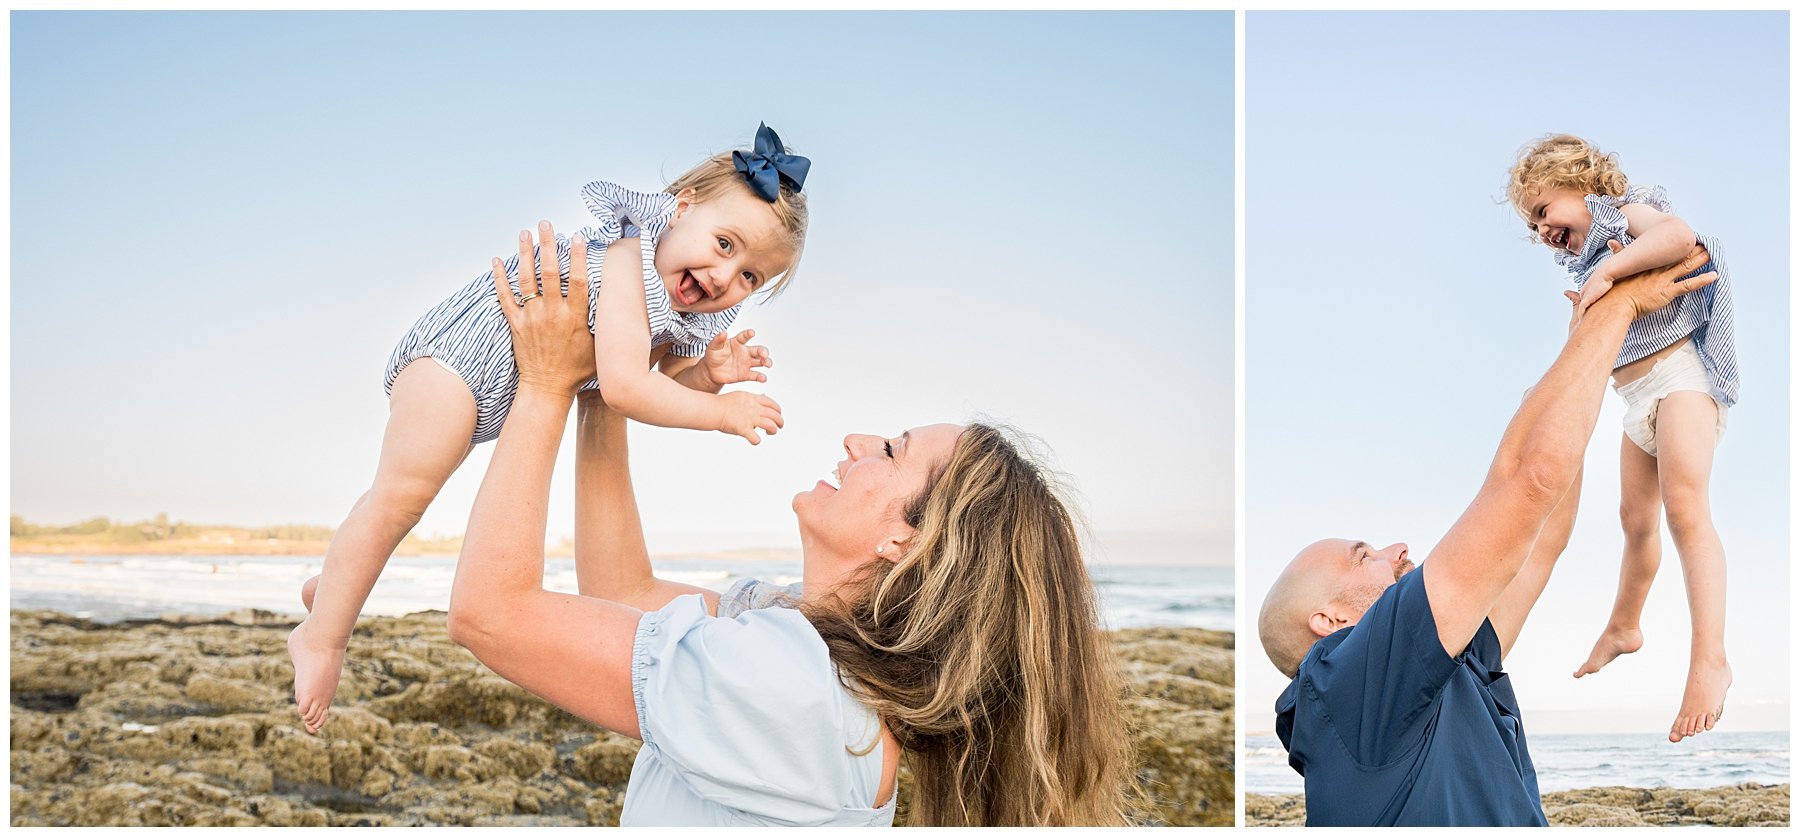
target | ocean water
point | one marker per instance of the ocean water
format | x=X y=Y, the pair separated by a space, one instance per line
x=115 y=587
x=1567 y=762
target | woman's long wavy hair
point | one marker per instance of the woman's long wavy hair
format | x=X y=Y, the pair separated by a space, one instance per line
x=982 y=651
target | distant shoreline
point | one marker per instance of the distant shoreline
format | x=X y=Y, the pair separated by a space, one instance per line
x=26 y=548
x=285 y=549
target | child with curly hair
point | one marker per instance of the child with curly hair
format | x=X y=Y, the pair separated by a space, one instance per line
x=1678 y=376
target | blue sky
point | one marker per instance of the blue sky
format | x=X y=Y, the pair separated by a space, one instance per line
x=1396 y=313
x=223 y=222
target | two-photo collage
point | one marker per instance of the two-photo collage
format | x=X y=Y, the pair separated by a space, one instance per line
x=1184 y=418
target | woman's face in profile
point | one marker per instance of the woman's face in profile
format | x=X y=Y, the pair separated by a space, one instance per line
x=860 y=506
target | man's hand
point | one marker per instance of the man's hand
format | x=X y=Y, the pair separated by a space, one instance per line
x=734 y=360
x=1653 y=289
x=1574 y=311
x=1598 y=283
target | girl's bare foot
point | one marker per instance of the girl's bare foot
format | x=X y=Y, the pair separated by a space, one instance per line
x=1612 y=642
x=317 y=667
x=1703 y=703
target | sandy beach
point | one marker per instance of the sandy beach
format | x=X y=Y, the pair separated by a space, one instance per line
x=1738 y=805
x=177 y=722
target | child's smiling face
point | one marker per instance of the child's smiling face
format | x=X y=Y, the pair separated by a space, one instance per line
x=1560 y=218
x=718 y=252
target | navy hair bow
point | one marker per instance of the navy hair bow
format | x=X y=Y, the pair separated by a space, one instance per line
x=767 y=166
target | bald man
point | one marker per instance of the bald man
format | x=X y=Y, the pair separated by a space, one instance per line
x=1399 y=712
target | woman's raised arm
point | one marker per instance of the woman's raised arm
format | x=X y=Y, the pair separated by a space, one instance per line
x=611 y=559
x=573 y=651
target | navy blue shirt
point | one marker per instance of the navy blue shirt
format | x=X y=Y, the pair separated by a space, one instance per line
x=1388 y=729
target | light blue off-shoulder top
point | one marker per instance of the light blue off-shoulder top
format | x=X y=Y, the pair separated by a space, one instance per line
x=744 y=720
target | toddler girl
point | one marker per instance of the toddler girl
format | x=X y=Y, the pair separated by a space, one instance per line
x=720 y=232
x=1678 y=376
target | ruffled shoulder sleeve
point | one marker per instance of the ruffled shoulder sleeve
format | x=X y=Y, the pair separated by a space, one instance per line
x=1654 y=197
x=748 y=710
x=754 y=594
x=624 y=213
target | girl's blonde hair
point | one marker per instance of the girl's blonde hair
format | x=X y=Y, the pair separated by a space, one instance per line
x=982 y=651
x=718 y=175
x=1559 y=161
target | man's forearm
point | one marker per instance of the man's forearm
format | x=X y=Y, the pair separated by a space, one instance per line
x=1548 y=436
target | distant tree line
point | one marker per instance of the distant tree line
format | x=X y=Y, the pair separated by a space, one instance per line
x=160 y=528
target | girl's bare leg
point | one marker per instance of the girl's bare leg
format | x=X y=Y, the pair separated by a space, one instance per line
x=1640 y=514
x=431 y=417
x=1687 y=432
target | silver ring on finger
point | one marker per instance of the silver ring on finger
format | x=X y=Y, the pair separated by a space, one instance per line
x=527 y=298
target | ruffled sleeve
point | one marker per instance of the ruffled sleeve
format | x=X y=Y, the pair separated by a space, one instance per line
x=749 y=711
x=624 y=213
x=754 y=594
x=1654 y=197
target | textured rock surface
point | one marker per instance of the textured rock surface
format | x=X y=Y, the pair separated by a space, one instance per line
x=190 y=722
x=1738 y=805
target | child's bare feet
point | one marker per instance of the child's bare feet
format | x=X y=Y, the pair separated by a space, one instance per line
x=1612 y=642
x=317 y=667
x=1703 y=703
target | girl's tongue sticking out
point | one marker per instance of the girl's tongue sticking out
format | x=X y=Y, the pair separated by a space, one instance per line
x=689 y=290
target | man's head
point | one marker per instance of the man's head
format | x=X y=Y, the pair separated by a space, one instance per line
x=1326 y=588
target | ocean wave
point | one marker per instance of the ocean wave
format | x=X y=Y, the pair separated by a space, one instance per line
x=113 y=587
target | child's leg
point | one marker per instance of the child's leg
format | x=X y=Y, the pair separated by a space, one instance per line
x=1640 y=514
x=1687 y=432
x=431 y=417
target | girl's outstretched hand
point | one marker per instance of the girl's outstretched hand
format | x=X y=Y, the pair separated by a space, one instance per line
x=551 y=343
x=733 y=360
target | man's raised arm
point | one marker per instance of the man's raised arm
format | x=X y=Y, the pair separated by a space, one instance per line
x=1540 y=455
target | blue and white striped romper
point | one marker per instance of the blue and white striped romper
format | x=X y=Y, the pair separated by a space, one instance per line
x=468 y=332
x=1706 y=314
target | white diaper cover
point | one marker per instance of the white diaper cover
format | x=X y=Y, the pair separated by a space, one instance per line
x=1680 y=371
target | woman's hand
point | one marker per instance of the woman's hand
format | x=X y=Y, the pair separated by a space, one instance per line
x=551 y=343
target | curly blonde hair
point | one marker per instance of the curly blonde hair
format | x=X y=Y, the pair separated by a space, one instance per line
x=718 y=175
x=1557 y=161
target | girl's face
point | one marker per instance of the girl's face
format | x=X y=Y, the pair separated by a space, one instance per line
x=1560 y=218
x=717 y=253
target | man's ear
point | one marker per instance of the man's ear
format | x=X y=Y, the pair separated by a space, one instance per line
x=1325 y=624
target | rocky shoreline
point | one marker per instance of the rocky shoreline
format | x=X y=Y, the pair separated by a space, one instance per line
x=1735 y=805
x=190 y=722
